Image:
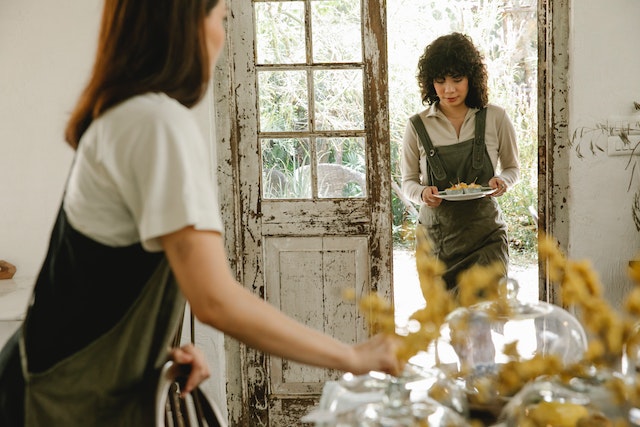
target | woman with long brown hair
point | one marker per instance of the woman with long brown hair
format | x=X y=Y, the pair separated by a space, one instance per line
x=138 y=233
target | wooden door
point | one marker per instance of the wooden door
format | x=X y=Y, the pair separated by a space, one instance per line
x=310 y=165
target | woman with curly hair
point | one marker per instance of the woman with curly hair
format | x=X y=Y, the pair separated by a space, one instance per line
x=459 y=138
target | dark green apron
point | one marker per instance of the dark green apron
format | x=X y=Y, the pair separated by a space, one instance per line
x=469 y=232
x=112 y=381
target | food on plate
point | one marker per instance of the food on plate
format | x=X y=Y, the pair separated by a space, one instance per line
x=464 y=188
x=473 y=188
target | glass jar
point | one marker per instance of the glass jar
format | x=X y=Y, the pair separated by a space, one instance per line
x=597 y=399
x=474 y=342
x=380 y=400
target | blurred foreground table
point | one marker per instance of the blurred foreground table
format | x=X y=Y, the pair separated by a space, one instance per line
x=14 y=297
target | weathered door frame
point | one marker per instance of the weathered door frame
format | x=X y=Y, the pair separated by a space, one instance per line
x=553 y=129
x=232 y=135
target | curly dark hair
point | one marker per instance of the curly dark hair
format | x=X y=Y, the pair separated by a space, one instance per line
x=453 y=55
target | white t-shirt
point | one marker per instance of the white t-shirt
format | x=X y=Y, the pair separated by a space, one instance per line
x=142 y=170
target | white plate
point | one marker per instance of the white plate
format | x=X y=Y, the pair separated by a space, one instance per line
x=468 y=196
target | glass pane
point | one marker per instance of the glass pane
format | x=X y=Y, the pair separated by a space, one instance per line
x=283 y=101
x=280 y=32
x=286 y=168
x=337 y=30
x=338 y=100
x=341 y=167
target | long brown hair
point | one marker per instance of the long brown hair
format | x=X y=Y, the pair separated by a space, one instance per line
x=145 y=46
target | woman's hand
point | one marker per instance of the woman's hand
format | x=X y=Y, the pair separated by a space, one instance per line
x=428 y=197
x=499 y=185
x=188 y=354
x=378 y=354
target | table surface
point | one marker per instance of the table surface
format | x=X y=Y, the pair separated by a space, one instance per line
x=14 y=297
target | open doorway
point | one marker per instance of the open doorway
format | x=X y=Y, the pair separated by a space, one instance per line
x=506 y=33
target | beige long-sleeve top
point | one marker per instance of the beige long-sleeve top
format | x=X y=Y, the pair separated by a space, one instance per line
x=500 y=139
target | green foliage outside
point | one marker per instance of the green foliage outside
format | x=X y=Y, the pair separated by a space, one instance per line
x=505 y=31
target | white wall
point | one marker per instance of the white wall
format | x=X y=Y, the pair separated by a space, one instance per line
x=46 y=51
x=604 y=82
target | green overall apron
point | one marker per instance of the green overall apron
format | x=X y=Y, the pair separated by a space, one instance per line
x=112 y=381
x=469 y=232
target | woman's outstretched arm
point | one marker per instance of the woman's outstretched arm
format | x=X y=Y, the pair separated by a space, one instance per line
x=199 y=262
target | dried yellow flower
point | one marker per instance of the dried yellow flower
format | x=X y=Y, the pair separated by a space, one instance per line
x=516 y=374
x=634 y=270
x=511 y=350
x=379 y=314
x=349 y=294
x=580 y=288
x=484 y=390
x=558 y=414
x=479 y=283
x=632 y=302
x=595 y=351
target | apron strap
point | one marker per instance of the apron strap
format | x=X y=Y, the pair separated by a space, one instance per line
x=433 y=160
x=177 y=339
x=478 y=144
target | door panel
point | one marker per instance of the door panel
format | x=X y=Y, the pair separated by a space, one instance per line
x=294 y=266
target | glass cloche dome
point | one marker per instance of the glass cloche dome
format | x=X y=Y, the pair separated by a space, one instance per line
x=593 y=399
x=476 y=341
